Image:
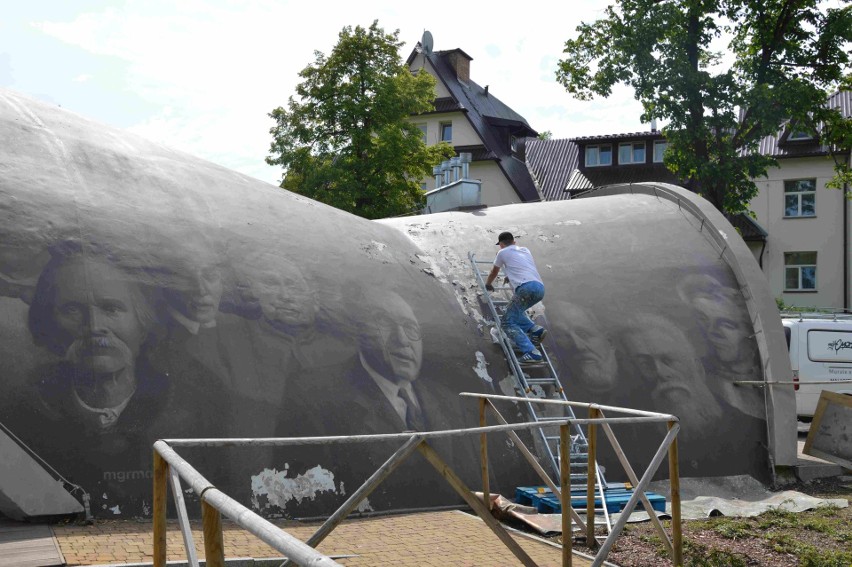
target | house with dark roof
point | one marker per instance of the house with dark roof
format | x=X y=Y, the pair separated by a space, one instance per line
x=475 y=122
x=567 y=167
x=800 y=232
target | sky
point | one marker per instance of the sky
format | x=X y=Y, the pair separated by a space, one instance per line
x=201 y=76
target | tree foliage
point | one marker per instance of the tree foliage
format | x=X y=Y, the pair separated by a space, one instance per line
x=347 y=139
x=724 y=74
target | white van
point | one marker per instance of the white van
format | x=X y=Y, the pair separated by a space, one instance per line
x=820 y=348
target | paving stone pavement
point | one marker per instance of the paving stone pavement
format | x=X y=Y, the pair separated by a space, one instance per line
x=423 y=539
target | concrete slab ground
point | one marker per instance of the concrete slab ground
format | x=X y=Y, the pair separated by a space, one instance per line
x=810 y=468
x=423 y=539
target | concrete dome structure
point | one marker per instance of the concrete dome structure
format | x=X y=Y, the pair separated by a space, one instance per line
x=146 y=294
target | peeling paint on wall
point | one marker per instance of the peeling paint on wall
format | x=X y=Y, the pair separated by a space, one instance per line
x=280 y=489
x=481 y=367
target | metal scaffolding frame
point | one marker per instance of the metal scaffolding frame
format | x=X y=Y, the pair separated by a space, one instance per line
x=171 y=468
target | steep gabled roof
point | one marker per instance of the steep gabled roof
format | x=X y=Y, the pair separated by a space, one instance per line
x=775 y=145
x=551 y=163
x=487 y=115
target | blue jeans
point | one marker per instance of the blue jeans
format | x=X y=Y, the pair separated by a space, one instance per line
x=515 y=322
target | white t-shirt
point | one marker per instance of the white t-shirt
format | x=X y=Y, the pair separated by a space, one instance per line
x=518 y=264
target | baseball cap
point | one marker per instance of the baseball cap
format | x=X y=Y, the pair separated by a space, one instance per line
x=504 y=237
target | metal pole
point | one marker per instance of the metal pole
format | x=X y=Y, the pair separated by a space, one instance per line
x=483 y=455
x=565 y=494
x=535 y=465
x=214 y=548
x=458 y=485
x=183 y=519
x=634 y=480
x=674 y=482
x=591 y=477
x=634 y=498
x=352 y=502
x=161 y=487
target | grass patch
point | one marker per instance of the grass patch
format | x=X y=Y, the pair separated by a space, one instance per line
x=698 y=555
x=733 y=528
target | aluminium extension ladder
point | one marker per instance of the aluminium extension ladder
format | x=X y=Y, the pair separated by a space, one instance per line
x=527 y=385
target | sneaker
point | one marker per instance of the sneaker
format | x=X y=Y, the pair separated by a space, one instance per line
x=531 y=358
x=537 y=335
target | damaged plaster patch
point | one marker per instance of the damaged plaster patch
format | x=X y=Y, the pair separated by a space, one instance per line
x=279 y=489
x=377 y=251
x=364 y=506
x=115 y=510
x=433 y=268
x=481 y=367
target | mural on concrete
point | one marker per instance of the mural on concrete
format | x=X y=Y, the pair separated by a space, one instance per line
x=147 y=294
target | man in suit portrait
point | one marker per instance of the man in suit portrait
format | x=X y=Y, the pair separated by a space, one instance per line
x=384 y=388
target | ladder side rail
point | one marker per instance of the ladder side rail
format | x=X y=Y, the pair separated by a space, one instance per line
x=508 y=352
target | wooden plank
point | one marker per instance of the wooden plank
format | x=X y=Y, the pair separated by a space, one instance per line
x=831 y=429
x=30 y=545
x=484 y=513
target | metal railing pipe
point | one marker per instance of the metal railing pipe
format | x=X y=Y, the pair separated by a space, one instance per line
x=635 y=412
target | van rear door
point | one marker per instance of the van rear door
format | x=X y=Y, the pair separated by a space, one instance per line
x=829 y=359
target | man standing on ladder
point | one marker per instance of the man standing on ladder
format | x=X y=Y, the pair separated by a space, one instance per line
x=518 y=264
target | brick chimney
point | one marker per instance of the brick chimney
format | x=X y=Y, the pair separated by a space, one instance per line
x=460 y=62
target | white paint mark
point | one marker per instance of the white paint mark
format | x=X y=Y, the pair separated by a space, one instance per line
x=481 y=367
x=115 y=510
x=364 y=506
x=725 y=236
x=104 y=496
x=280 y=489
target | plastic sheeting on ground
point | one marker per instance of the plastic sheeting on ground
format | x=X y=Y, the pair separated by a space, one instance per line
x=739 y=496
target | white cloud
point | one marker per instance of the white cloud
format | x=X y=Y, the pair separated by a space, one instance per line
x=214 y=69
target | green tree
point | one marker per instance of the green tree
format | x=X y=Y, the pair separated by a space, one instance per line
x=347 y=140
x=781 y=60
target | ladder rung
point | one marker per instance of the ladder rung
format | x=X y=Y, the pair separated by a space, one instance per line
x=550 y=380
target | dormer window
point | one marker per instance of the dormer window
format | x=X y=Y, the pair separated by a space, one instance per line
x=799 y=135
x=598 y=155
x=631 y=152
x=796 y=133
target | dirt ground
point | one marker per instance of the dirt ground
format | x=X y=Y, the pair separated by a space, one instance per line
x=818 y=538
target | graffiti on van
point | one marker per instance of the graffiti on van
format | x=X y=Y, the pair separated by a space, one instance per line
x=839 y=344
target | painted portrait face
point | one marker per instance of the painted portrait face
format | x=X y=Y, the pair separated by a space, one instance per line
x=726 y=327
x=197 y=294
x=94 y=305
x=287 y=302
x=391 y=342
x=591 y=353
x=666 y=360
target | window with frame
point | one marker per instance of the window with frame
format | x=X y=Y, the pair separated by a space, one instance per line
x=800 y=198
x=513 y=143
x=446 y=131
x=660 y=150
x=800 y=271
x=631 y=152
x=799 y=135
x=598 y=155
